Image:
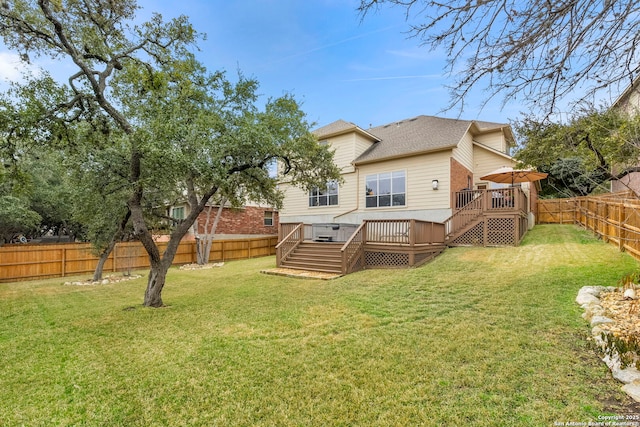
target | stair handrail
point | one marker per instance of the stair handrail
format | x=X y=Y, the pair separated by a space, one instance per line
x=289 y=244
x=469 y=212
x=352 y=251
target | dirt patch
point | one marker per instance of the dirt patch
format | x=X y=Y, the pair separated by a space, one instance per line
x=303 y=274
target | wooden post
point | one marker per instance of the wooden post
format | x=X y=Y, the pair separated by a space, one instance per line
x=412 y=233
x=621 y=227
x=63 y=261
x=114 y=254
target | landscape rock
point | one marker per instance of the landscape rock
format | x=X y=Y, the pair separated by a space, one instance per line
x=629 y=294
x=593 y=290
x=627 y=375
x=591 y=310
x=633 y=390
x=600 y=320
x=609 y=311
x=586 y=297
x=613 y=363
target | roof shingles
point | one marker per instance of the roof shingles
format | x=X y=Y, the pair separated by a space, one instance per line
x=412 y=136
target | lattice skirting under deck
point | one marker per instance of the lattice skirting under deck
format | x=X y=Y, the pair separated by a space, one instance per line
x=386 y=259
x=398 y=258
x=498 y=231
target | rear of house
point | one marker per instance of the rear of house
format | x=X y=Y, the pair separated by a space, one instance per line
x=411 y=169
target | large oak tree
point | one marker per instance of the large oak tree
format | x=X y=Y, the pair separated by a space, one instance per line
x=180 y=129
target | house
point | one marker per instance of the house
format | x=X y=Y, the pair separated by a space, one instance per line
x=409 y=189
x=250 y=219
x=407 y=169
x=629 y=103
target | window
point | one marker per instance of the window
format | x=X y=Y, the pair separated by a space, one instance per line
x=327 y=196
x=268 y=218
x=177 y=213
x=386 y=189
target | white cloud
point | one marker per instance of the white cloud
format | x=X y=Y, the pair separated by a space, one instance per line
x=12 y=67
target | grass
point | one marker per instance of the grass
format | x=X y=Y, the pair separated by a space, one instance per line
x=479 y=336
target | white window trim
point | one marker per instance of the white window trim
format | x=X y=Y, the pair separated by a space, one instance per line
x=327 y=195
x=377 y=174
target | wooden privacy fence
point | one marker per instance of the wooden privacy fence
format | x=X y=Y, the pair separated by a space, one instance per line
x=614 y=218
x=556 y=211
x=24 y=262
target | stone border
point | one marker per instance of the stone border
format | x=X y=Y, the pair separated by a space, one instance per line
x=594 y=313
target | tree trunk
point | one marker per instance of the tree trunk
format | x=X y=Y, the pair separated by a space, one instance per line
x=157 y=278
x=97 y=274
x=205 y=240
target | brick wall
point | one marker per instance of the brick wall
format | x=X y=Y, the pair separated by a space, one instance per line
x=246 y=220
x=461 y=177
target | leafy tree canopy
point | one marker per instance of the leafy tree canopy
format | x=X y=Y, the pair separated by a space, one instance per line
x=16 y=218
x=142 y=111
x=582 y=154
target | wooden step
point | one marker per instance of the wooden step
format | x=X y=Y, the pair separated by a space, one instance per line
x=316 y=256
x=324 y=268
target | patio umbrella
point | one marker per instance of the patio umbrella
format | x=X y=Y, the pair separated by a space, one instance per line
x=509 y=175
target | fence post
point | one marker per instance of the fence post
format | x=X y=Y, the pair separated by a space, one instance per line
x=621 y=226
x=63 y=261
x=114 y=254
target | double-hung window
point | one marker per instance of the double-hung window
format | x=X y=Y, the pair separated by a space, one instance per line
x=325 y=196
x=386 y=189
x=268 y=218
x=177 y=213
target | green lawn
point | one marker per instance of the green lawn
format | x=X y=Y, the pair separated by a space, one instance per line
x=479 y=336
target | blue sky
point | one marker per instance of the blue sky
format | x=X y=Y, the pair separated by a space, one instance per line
x=321 y=51
x=340 y=66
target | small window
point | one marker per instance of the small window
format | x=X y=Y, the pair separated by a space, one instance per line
x=327 y=196
x=177 y=213
x=482 y=186
x=268 y=218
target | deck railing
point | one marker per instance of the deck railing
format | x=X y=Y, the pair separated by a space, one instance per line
x=353 y=251
x=404 y=231
x=288 y=244
x=470 y=204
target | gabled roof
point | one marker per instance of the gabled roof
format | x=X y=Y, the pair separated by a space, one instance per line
x=420 y=135
x=340 y=127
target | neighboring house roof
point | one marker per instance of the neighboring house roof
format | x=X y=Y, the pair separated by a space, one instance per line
x=419 y=135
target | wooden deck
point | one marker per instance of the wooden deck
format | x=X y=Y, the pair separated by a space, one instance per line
x=496 y=217
x=481 y=218
x=374 y=244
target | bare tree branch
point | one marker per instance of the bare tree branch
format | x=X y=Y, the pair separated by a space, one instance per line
x=545 y=52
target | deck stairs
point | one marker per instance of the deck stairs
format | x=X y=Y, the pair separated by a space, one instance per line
x=324 y=257
x=470 y=223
